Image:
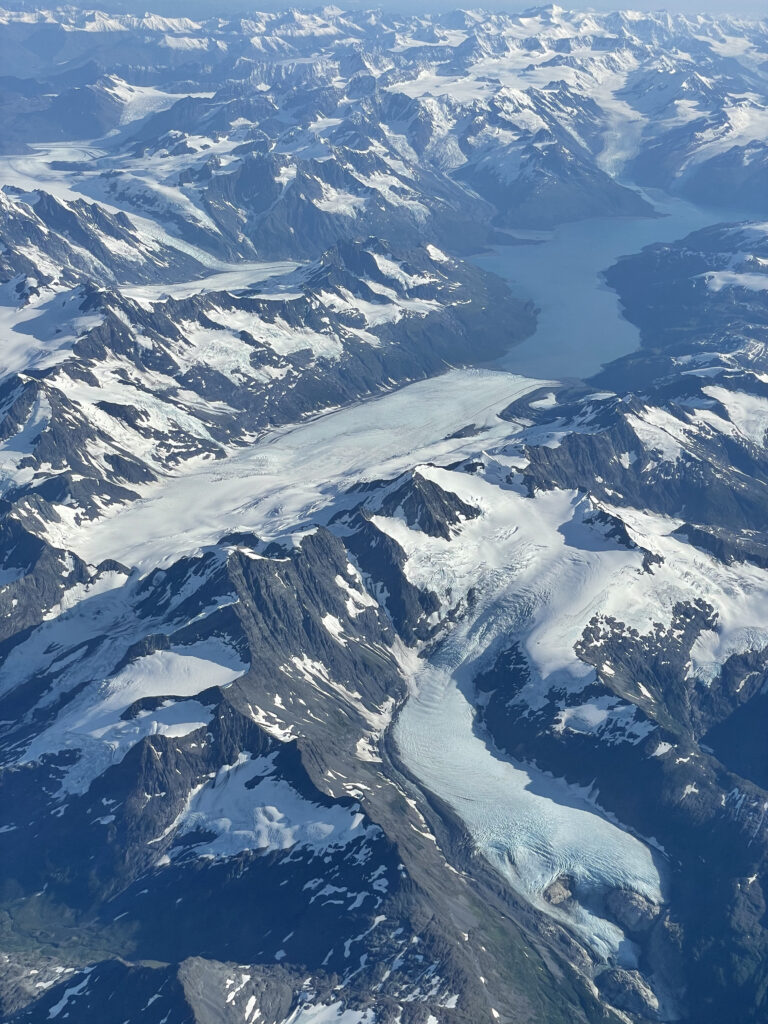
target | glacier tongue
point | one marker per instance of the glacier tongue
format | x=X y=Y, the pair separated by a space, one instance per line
x=531 y=827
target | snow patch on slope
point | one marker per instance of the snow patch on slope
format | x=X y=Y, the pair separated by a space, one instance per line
x=94 y=723
x=248 y=807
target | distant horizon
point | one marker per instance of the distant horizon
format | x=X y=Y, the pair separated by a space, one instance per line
x=211 y=8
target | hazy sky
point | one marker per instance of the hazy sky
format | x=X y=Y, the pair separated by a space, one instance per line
x=181 y=7
x=759 y=7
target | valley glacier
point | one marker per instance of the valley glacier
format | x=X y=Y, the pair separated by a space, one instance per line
x=532 y=828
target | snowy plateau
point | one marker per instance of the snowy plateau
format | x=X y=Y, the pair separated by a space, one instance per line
x=383 y=518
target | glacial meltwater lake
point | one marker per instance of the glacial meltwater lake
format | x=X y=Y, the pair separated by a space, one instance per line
x=580 y=325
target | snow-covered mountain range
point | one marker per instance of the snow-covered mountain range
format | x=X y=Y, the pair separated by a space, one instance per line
x=383 y=488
